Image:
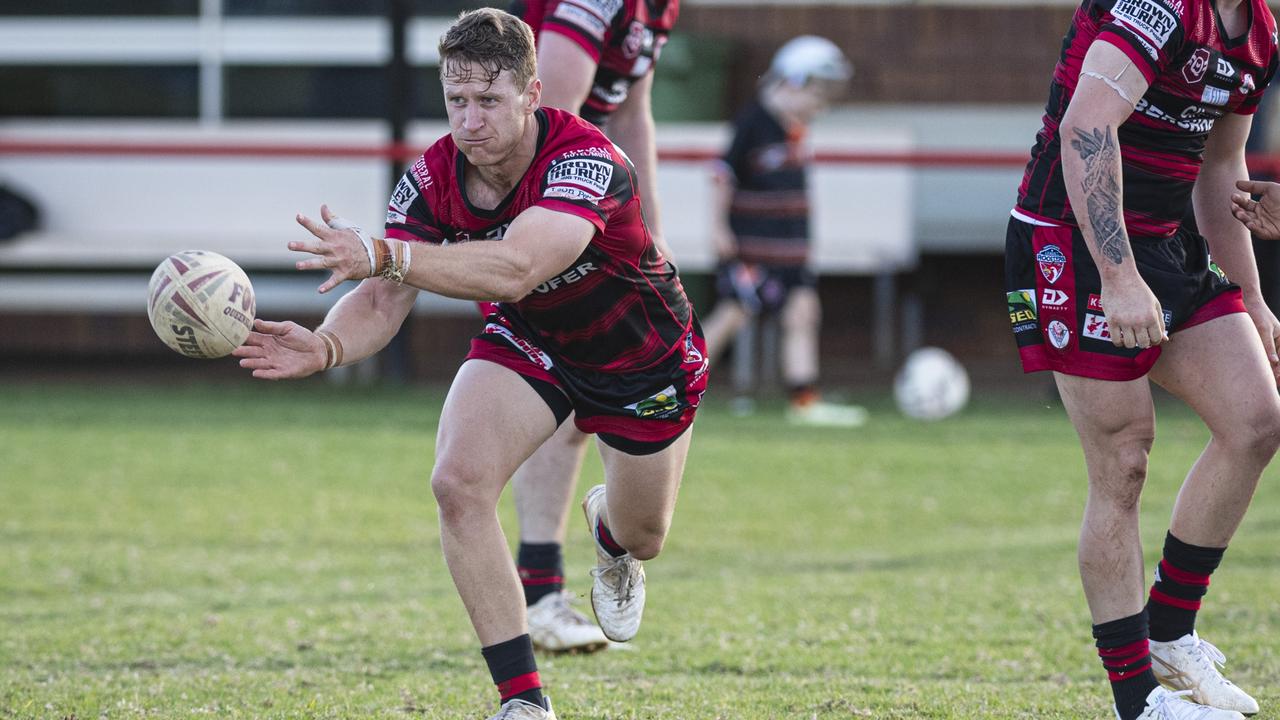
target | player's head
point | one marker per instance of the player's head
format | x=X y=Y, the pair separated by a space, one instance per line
x=488 y=68
x=807 y=74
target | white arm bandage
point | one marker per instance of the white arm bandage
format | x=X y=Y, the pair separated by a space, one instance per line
x=1111 y=84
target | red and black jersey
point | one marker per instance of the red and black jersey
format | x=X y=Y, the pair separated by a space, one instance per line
x=1197 y=74
x=620 y=305
x=623 y=37
x=769 y=213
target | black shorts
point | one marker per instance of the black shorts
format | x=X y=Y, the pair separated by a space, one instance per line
x=761 y=288
x=1054 y=290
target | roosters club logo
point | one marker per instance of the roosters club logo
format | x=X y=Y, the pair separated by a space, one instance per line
x=1051 y=262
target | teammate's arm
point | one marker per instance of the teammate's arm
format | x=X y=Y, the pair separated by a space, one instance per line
x=723 y=183
x=631 y=127
x=537 y=245
x=1261 y=216
x=1229 y=241
x=360 y=324
x=566 y=71
x=1109 y=86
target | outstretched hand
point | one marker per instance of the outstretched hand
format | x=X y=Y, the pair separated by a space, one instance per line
x=340 y=247
x=1261 y=216
x=281 y=351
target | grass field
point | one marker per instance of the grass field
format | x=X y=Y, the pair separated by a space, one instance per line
x=243 y=551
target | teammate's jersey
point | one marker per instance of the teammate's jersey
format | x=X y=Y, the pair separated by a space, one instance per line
x=1196 y=73
x=769 y=214
x=620 y=305
x=623 y=37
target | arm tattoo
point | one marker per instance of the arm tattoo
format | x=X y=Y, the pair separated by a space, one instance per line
x=1102 y=192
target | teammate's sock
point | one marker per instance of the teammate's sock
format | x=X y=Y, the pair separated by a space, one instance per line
x=1182 y=579
x=802 y=394
x=1122 y=645
x=514 y=671
x=541 y=568
x=606 y=540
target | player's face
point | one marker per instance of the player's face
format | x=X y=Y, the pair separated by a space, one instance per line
x=816 y=95
x=488 y=120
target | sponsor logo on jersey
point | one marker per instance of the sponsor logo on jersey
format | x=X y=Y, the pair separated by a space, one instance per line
x=1095 y=326
x=1095 y=302
x=1053 y=299
x=639 y=39
x=657 y=405
x=1197 y=65
x=1022 y=310
x=568 y=277
x=403 y=196
x=586 y=174
x=533 y=352
x=1058 y=334
x=1214 y=96
x=1224 y=69
x=571 y=193
x=1246 y=84
x=1194 y=118
x=585 y=20
x=395 y=218
x=1051 y=262
x=493 y=233
x=1148 y=17
x=420 y=173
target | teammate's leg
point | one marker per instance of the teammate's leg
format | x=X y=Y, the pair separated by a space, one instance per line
x=491 y=422
x=629 y=517
x=801 y=318
x=1116 y=424
x=544 y=488
x=719 y=328
x=1218 y=368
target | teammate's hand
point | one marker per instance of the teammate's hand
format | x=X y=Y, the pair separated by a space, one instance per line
x=1261 y=216
x=1134 y=316
x=1264 y=321
x=340 y=246
x=281 y=351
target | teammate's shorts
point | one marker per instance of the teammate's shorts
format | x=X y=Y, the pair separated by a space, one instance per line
x=1054 y=293
x=639 y=412
x=761 y=288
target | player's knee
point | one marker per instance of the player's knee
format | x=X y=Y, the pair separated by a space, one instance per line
x=1256 y=434
x=459 y=491
x=1117 y=480
x=644 y=543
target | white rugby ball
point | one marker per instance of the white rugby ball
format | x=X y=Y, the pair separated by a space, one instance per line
x=201 y=304
x=931 y=385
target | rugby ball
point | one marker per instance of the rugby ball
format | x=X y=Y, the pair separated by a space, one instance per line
x=201 y=304
x=931 y=385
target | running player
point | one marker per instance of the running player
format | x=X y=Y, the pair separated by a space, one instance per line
x=596 y=59
x=1148 y=113
x=535 y=209
x=761 y=221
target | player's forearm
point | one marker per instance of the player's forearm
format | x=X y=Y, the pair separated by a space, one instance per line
x=364 y=320
x=1092 y=174
x=1229 y=241
x=477 y=270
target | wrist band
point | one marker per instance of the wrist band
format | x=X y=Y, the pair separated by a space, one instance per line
x=332 y=349
x=338 y=223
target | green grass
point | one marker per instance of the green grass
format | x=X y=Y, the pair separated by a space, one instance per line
x=262 y=551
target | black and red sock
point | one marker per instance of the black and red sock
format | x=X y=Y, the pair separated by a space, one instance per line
x=514 y=671
x=541 y=568
x=606 y=540
x=1182 y=579
x=1122 y=645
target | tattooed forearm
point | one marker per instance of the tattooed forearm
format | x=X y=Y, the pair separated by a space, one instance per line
x=1102 y=192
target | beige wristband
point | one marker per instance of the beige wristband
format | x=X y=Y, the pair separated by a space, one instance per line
x=332 y=348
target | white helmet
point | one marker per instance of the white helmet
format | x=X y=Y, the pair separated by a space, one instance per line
x=810 y=56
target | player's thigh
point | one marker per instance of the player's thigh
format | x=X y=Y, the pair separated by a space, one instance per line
x=1115 y=419
x=491 y=422
x=1219 y=369
x=642 y=489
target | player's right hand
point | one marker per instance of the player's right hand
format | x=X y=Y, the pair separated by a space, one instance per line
x=281 y=351
x=1134 y=316
x=1261 y=216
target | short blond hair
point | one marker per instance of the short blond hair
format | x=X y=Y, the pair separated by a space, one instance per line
x=486 y=42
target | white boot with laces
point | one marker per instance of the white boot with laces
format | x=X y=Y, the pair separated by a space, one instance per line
x=1190 y=664
x=556 y=626
x=617 y=595
x=522 y=710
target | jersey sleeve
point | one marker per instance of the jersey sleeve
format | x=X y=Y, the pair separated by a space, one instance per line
x=589 y=182
x=1149 y=32
x=1254 y=98
x=589 y=23
x=409 y=216
x=737 y=158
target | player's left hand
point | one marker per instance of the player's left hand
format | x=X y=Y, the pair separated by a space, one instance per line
x=1268 y=330
x=1261 y=216
x=340 y=247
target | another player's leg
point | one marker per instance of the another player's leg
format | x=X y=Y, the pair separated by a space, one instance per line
x=629 y=517
x=1116 y=424
x=544 y=489
x=492 y=420
x=1219 y=369
x=722 y=326
x=801 y=328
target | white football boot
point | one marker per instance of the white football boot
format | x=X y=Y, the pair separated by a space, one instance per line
x=1164 y=704
x=555 y=626
x=522 y=710
x=617 y=595
x=1191 y=664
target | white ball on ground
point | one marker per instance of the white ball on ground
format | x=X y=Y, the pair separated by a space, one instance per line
x=931 y=385
x=201 y=304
